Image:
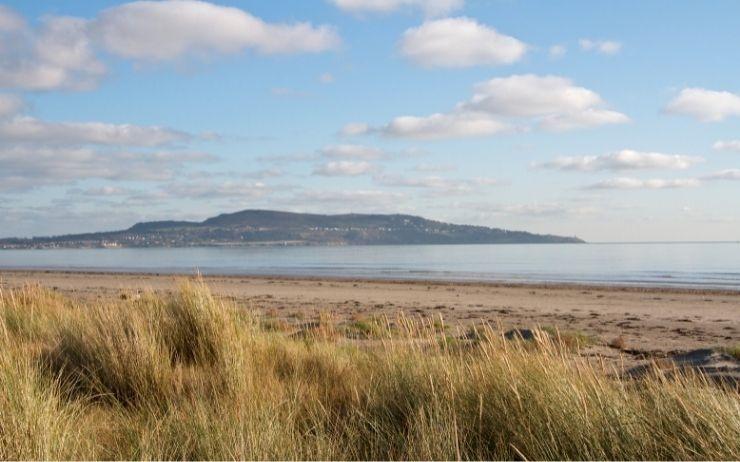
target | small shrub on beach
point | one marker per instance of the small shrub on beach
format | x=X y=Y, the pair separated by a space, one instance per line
x=733 y=351
x=618 y=343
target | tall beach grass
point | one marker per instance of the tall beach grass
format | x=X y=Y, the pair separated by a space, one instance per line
x=191 y=377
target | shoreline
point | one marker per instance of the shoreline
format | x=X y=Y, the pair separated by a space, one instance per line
x=502 y=283
x=653 y=321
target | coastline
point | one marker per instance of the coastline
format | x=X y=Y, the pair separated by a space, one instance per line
x=653 y=321
x=620 y=286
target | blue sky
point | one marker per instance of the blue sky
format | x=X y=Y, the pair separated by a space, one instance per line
x=613 y=121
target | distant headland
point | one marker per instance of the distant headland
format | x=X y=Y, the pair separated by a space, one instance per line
x=268 y=227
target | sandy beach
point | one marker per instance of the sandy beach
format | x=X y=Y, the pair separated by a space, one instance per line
x=652 y=321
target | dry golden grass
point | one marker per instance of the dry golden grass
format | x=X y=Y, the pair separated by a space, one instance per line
x=191 y=377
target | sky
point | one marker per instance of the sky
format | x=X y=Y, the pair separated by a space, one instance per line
x=606 y=120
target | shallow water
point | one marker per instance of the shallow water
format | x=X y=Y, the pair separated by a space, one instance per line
x=715 y=265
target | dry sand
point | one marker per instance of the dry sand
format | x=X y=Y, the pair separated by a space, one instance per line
x=652 y=321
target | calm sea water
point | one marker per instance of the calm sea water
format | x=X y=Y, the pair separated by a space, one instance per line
x=656 y=264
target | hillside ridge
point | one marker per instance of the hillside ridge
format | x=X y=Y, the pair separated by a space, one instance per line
x=271 y=227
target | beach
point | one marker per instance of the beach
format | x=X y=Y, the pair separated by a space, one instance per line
x=153 y=367
x=652 y=322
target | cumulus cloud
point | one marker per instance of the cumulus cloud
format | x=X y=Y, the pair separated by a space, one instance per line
x=29 y=129
x=354 y=129
x=56 y=54
x=459 y=42
x=626 y=159
x=429 y=7
x=554 y=102
x=705 y=105
x=591 y=117
x=460 y=124
x=25 y=167
x=353 y=151
x=344 y=168
x=35 y=153
x=606 y=47
x=635 y=183
x=159 y=31
x=60 y=52
x=730 y=145
x=508 y=104
x=531 y=95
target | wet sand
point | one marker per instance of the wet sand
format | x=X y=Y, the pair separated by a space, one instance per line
x=652 y=321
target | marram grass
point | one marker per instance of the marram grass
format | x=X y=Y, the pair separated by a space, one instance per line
x=191 y=377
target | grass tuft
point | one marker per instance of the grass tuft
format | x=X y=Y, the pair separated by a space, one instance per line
x=189 y=376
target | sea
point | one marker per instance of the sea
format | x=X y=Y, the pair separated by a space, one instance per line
x=691 y=265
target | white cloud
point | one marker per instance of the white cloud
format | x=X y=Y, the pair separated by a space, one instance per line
x=10 y=105
x=103 y=191
x=29 y=129
x=626 y=159
x=354 y=129
x=261 y=174
x=429 y=7
x=557 y=51
x=591 y=117
x=634 y=183
x=531 y=95
x=508 y=104
x=35 y=153
x=366 y=196
x=555 y=102
x=434 y=168
x=344 y=168
x=705 y=105
x=159 y=31
x=452 y=125
x=459 y=42
x=537 y=209
x=730 y=145
x=353 y=151
x=58 y=54
x=27 y=167
x=209 y=190
x=429 y=182
x=436 y=183
x=341 y=201
x=732 y=174
x=606 y=47
x=287 y=158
